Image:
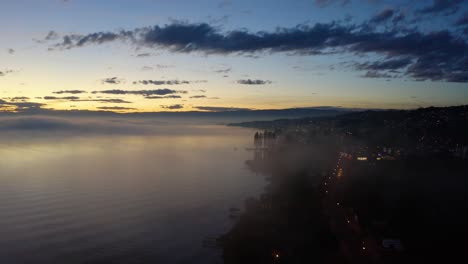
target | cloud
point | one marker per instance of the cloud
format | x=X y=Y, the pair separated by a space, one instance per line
x=436 y=52
x=69 y=92
x=71 y=98
x=184 y=38
x=112 y=80
x=463 y=20
x=10 y=51
x=78 y=99
x=20 y=98
x=399 y=18
x=76 y=40
x=145 y=93
x=19 y=106
x=198 y=96
x=173 y=107
x=51 y=35
x=164 y=97
x=225 y=70
x=253 y=82
x=5 y=72
x=166 y=82
x=376 y=74
x=147 y=68
x=111 y=100
x=325 y=3
x=115 y=108
x=390 y=64
x=143 y=55
x=383 y=16
x=446 y=7
x=443 y=51
x=164 y=66
x=220 y=109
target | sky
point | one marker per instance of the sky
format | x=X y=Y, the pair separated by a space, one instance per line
x=172 y=55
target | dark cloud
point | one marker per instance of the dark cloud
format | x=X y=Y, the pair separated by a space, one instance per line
x=20 y=98
x=463 y=20
x=436 y=52
x=198 y=96
x=325 y=3
x=164 y=97
x=19 y=106
x=11 y=51
x=5 y=72
x=383 y=16
x=220 y=109
x=115 y=108
x=70 y=92
x=399 y=18
x=203 y=37
x=376 y=74
x=110 y=100
x=145 y=93
x=173 y=107
x=253 y=82
x=439 y=51
x=200 y=90
x=76 y=40
x=78 y=99
x=183 y=37
x=143 y=55
x=167 y=82
x=71 y=98
x=112 y=80
x=391 y=64
x=445 y=7
x=51 y=35
x=225 y=70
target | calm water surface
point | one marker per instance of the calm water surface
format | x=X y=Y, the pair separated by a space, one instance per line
x=121 y=198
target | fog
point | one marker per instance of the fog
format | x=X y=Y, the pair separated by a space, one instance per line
x=97 y=189
x=42 y=125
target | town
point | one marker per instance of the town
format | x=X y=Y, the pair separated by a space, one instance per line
x=365 y=187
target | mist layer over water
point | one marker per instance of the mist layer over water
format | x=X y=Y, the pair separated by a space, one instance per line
x=125 y=198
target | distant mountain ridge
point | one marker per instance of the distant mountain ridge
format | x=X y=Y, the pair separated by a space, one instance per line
x=452 y=114
x=243 y=115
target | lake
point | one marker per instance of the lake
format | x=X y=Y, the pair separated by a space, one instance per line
x=122 y=198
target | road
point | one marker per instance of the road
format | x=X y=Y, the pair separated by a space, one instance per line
x=356 y=244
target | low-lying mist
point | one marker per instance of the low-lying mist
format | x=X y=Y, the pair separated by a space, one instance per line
x=47 y=126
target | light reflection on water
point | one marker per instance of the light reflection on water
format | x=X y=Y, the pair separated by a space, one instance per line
x=121 y=198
